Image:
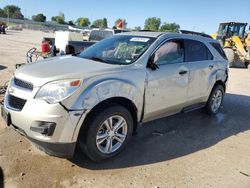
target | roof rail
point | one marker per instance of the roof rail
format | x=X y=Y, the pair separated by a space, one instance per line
x=146 y=30
x=195 y=33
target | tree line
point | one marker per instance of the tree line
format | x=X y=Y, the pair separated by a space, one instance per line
x=151 y=23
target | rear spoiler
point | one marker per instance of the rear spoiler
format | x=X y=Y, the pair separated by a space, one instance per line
x=195 y=33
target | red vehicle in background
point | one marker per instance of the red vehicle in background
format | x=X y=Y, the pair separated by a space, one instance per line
x=2 y=28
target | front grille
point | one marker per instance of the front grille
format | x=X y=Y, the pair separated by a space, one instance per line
x=16 y=103
x=23 y=84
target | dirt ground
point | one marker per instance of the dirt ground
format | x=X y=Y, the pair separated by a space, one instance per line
x=185 y=150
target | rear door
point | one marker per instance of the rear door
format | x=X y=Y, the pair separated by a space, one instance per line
x=200 y=64
x=166 y=87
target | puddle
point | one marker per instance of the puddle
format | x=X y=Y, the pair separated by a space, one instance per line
x=220 y=117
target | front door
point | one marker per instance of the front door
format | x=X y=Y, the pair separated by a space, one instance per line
x=166 y=87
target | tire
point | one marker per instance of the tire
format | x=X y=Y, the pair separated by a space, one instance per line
x=98 y=132
x=213 y=106
x=230 y=56
x=246 y=65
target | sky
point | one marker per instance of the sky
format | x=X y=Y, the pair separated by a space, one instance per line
x=196 y=15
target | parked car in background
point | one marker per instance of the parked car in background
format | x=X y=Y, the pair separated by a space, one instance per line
x=69 y=42
x=94 y=36
x=97 y=99
x=100 y=34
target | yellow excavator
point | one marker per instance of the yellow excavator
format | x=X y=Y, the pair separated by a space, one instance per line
x=235 y=41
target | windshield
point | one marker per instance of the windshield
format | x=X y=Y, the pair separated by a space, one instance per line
x=118 y=49
x=222 y=29
x=230 y=30
x=98 y=35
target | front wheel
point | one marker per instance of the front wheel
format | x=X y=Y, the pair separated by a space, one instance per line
x=215 y=100
x=108 y=132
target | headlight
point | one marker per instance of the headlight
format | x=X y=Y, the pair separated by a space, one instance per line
x=57 y=91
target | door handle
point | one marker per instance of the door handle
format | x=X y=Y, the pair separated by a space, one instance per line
x=183 y=72
x=211 y=66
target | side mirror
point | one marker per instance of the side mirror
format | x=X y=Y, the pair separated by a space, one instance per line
x=151 y=64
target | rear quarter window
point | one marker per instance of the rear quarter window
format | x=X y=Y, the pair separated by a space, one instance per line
x=219 y=49
x=196 y=51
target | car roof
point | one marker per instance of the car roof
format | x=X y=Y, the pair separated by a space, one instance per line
x=168 y=34
x=142 y=34
x=192 y=37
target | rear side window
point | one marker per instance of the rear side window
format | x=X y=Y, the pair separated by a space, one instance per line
x=219 y=49
x=196 y=51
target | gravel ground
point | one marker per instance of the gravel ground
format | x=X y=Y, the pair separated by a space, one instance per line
x=185 y=150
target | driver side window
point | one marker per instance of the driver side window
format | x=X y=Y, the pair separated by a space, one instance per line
x=170 y=52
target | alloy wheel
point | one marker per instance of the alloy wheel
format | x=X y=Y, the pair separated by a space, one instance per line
x=111 y=134
x=216 y=100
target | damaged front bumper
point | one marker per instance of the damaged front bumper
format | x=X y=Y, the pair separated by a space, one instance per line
x=50 y=127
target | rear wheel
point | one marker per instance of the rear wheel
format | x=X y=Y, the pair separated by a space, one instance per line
x=230 y=56
x=215 y=100
x=246 y=64
x=108 y=132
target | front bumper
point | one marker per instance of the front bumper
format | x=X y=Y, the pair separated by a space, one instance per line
x=62 y=141
x=64 y=150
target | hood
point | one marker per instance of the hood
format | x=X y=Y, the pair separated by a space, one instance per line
x=64 y=67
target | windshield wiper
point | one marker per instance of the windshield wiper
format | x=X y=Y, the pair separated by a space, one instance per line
x=98 y=59
x=76 y=54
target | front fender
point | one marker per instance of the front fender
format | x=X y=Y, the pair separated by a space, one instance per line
x=101 y=90
x=112 y=88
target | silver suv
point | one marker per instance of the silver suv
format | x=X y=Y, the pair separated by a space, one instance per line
x=96 y=99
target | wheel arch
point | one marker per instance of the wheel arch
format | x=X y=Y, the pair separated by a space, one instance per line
x=125 y=102
x=220 y=82
x=219 y=76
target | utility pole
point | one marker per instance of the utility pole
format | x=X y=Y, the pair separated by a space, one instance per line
x=25 y=16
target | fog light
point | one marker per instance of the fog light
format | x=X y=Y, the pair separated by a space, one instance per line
x=43 y=127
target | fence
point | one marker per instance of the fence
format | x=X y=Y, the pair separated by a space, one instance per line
x=29 y=24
